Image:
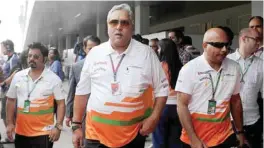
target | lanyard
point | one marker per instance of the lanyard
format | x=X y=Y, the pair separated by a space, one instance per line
x=117 y=67
x=245 y=71
x=215 y=88
x=29 y=92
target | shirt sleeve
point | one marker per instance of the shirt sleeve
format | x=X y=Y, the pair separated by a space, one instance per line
x=84 y=85
x=185 y=81
x=58 y=91
x=159 y=80
x=12 y=91
x=238 y=77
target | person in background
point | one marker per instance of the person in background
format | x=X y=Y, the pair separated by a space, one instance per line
x=251 y=68
x=154 y=44
x=168 y=131
x=177 y=36
x=187 y=45
x=55 y=63
x=145 y=41
x=10 y=65
x=256 y=22
x=88 y=43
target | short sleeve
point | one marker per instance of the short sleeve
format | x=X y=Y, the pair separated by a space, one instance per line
x=58 y=91
x=160 y=82
x=84 y=85
x=12 y=91
x=185 y=81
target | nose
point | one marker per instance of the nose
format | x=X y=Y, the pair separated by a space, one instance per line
x=119 y=26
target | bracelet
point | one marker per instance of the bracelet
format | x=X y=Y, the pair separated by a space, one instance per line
x=77 y=123
x=75 y=127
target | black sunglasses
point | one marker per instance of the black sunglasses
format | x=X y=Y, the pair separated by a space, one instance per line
x=219 y=44
x=35 y=56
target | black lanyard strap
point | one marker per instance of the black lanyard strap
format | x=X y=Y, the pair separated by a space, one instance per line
x=118 y=65
x=217 y=82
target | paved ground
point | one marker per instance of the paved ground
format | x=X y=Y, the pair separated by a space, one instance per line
x=66 y=134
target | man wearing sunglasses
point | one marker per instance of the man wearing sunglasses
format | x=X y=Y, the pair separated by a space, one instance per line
x=207 y=91
x=256 y=22
x=251 y=70
x=122 y=77
x=35 y=89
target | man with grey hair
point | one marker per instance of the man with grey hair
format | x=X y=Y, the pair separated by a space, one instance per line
x=122 y=76
x=251 y=71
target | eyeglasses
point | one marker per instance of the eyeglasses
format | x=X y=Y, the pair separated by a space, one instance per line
x=257 y=39
x=35 y=56
x=123 y=23
x=219 y=44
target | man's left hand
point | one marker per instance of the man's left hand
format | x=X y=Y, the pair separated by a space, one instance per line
x=242 y=140
x=54 y=134
x=148 y=125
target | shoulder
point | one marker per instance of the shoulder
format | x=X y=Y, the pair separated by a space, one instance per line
x=51 y=77
x=78 y=65
x=193 y=64
x=141 y=50
x=231 y=56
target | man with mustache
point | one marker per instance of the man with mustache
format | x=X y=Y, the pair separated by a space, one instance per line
x=251 y=67
x=208 y=90
x=35 y=89
x=122 y=76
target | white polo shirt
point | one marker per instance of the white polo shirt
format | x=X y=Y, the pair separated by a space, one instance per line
x=43 y=92
x=253 y=83
x=194 y=80
x=114 y=120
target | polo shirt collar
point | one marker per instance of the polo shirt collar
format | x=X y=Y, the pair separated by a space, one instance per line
x=238 y=56
x=41 y=76
x=128 y=51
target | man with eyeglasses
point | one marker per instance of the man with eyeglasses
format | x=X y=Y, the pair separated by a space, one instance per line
x=35 y=89
x=256 y=22
x=122 y=77
x=251 y=70
x=207 y=91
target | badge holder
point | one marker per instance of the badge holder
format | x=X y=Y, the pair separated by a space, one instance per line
x=115 y=87
x=211 y=107
x=26 y=106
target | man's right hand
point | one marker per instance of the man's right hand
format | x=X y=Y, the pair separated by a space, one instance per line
x=68 y=121
x=77 y=138
x=197 y=143
x=10 y=129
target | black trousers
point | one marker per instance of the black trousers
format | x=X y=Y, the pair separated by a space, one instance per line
x=32 y=142
x=138 y=142
x=231 y=141
x=253 y=134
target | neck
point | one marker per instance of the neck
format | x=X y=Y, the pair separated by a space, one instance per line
x=120 y=49
x=9 y=54
x=243 y=53
x=34 y=73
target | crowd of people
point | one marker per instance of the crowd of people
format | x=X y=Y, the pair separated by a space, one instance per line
x=124 y=89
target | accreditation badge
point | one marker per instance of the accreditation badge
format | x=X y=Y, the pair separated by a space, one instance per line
x=115 y=87
x=211 y=107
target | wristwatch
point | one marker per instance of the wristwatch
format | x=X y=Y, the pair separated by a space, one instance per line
x=75 y=127
x=58 y=126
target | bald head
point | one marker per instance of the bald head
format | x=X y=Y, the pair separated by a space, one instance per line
x=215 y=45
x=247 y=31
x=249 y=40
x=214 y=35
